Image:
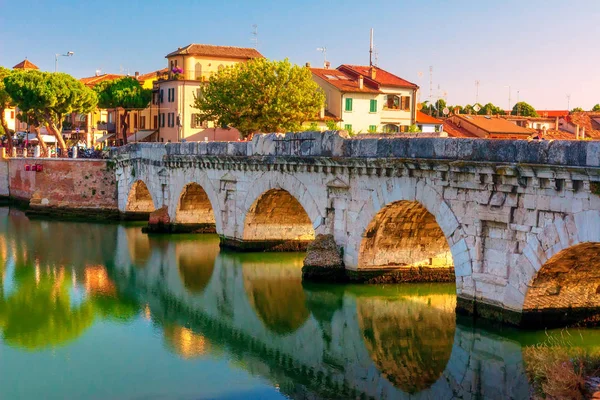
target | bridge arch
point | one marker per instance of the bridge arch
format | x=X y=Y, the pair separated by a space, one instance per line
x=403 y=209
x=139 y=198
x=194 y=206
x=279 y=209
x=557 y=271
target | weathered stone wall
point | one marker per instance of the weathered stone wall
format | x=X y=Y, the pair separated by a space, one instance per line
x=194 y=206
x=64 y=183
x=139 y=199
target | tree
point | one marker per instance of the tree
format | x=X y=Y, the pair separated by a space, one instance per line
x=577 y=109
x=5 y=103
x=261 y=96
x=490 y=109
x=596 y=108
x=524 y=109
x=35 y=121
x=50 y=97
x=126 y=93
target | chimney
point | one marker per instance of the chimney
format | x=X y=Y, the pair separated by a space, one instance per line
x=307 y=65
x=373 y=72
x=137 y=74
x=360 y=82
x=327 y=64
x=577 y=132
x=583 y=133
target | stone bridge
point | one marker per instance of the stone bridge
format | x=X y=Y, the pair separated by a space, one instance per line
x=516 y=224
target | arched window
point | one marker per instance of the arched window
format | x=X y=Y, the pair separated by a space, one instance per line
x=220 y=67
x=391 y=128
x=198 y=71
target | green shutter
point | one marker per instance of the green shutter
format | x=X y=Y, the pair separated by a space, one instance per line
x=348 y=127
x=348 y=104
x=372 y=128
x=373 y=106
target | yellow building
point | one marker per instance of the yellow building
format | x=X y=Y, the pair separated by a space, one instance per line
x=174 y=96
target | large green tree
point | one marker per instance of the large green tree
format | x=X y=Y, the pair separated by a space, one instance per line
x=126 y=93
x=490 y=109
x=5 y=103
x=50 y=97
x=596 y=108
x=261 y=96
x=523 y=109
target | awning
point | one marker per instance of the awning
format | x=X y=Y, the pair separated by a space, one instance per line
x=31 y=137
x=140 y=135
x=103 y=138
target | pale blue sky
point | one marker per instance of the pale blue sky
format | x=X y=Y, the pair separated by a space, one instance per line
x=546 y=49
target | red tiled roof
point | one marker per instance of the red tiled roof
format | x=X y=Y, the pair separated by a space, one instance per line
x=25 y=64
x=552 y=113
x=153 y=74
x=382 y=77
x=491 y=126
x=210 y=50
x=342 y=81
x=456 y=132
x=423 y=118
x=92 y=81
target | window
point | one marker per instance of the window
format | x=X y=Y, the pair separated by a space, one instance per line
x=162 y=120
x=161 y=96
x=406 y=103
x=391 y=128
x=170 y=120
x=197 y=124
x=348 y=127
x=373 y=106
x=12 y=115
x=198 y=71
x=372 y=128
x=392 y=102
x=155 y=122
x=348 y=104
x=135 y=121
x=143 y=122
x=220 y=67
x=199 y=93
x=171 y=95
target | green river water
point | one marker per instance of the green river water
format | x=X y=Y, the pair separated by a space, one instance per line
x=102 y=311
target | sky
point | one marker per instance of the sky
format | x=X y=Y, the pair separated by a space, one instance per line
x=539 y=51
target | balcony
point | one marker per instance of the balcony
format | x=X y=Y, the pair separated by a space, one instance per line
x=106 y=126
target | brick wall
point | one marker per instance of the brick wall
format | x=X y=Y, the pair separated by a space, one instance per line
x=64 y=183
x=3 y=177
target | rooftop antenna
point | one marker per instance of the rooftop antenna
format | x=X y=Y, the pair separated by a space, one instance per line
x=420 y=74
x=430 y=83
x=324 y=51
x=568 y=102
x=376 y=52
x=254 y=38
x=371 y=50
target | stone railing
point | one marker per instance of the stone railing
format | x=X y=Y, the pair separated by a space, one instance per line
x=333 y=144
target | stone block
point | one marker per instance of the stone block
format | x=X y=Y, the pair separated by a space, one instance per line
x=216 y=148
x=422 y=148
x=332 y=144
x=400 y=148
x=237 y=149
x=384 y=148
x=202 y=148
x=592 y=153
x=367 y=147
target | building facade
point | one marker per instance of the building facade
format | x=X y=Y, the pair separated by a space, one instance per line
x=367 y=98
x=175 y=95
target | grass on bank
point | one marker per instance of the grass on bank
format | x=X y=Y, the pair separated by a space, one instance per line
x=558 y=369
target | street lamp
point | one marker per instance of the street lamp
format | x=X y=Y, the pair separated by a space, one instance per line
x=69 y=54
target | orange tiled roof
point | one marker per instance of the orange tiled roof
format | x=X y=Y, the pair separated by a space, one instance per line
x=494 y=125
x=423 y=118
x=25 y=64
x=210 y=50
x=455 y=131
x=92 y=81
x=342 y=81
x=382 y=77
x=552 y=113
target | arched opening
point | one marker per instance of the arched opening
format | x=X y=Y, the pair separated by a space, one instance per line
x=566 y=289
x=198 y=70
x=273 y=284
x=391 y=128
x=194 y=208
x=139 y=199
x=409 y=337
x=404 y=235
x=279 y=222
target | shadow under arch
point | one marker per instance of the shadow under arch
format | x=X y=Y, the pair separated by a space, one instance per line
x=566 y=289
x=402 y=235
x=194 y=207
x=139 y=199
x=196 y=263
x=277 y=221
x=273 y=284
x=410 y=338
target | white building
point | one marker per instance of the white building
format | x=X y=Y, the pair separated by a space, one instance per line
x=367 y=99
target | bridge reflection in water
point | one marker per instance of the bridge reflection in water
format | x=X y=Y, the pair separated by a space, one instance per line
x=315 y=340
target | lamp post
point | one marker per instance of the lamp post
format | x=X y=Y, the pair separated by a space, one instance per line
x=69 y=54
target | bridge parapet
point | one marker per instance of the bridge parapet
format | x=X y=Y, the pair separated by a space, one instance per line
x=336 y=144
